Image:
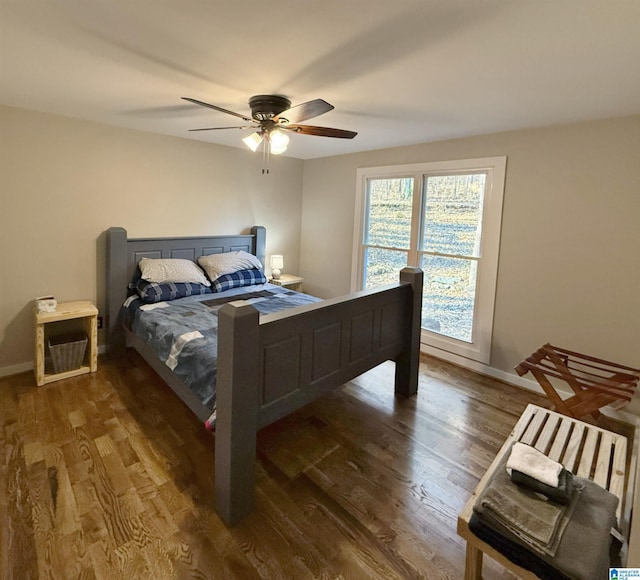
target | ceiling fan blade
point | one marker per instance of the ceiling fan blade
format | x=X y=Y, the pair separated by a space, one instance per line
x=218 y=128
x=320 y=131
x=215 y=108
x=305 y=111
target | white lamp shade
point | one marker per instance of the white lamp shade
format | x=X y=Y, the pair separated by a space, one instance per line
x=277 y=261
x=253 y=141
x=278 y=142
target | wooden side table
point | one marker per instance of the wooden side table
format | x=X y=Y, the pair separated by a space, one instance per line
x=289 y=281
x=87 y=313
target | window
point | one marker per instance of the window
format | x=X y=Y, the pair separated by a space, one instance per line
x=445 y=218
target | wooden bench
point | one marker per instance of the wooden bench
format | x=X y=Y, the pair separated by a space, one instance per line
x=583 y=449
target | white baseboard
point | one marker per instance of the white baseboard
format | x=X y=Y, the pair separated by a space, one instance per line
x=16 y=369
x=515 y=380
x=483 y=369
x=28 y=366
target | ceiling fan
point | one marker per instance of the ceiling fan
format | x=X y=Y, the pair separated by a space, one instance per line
x=271 y=116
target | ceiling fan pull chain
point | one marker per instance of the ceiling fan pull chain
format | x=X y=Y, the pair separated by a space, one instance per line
x=265 y=155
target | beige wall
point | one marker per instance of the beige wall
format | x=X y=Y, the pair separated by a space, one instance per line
x=569 y=270
x=63 y=182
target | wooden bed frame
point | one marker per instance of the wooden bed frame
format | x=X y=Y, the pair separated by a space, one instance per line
x=270 y=366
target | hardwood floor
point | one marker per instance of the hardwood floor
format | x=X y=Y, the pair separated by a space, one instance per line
x=110 y=476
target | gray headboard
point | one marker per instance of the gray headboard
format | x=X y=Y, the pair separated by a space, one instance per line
x=123 y=255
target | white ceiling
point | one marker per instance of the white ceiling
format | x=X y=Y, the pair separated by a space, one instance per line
x=398 y=72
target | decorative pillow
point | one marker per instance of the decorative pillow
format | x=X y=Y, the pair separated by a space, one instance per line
x=151 y=292
x=237 y=279
x=163 y=270
x=216 y=265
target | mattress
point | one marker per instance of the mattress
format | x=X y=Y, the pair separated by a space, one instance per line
x=184 y=332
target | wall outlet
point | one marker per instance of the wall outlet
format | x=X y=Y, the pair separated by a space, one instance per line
x=99 y=322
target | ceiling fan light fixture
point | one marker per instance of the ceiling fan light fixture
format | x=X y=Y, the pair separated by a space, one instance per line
x=278 y=142
x=268 y=114
x=253 y=141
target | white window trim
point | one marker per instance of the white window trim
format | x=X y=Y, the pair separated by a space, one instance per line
x=480 y=349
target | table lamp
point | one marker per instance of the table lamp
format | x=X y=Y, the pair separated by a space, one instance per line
x=277 y=263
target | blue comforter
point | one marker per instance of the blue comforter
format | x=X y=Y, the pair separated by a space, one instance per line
x=184 y=332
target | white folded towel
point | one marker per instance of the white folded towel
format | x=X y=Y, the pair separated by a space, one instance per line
x=529 y=460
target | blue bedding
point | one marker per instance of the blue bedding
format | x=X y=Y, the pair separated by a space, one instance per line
x=184 y=332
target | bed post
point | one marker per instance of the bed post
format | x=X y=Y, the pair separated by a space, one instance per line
x=237 y=410
x=117 y=285
x=408 y=361
x=259 y=243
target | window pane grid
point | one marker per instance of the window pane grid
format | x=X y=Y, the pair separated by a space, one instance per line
x=389 y=212
x=452 y=213
x=449 y=296
x=447 y=222
x=442 y=255
x=382 y=266
x=390 y=248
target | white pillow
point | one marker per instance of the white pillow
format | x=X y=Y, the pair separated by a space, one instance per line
x=176 y=270
x=216 y=265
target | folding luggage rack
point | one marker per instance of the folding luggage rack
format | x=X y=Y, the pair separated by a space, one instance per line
x=595 y=382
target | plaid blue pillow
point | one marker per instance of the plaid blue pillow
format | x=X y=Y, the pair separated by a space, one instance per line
x=237 y=279
x=151 y=292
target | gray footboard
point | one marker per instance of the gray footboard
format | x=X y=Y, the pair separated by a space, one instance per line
x=269 y=367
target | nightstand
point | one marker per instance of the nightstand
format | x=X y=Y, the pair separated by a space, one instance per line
x=289 y=281
x=85 y=316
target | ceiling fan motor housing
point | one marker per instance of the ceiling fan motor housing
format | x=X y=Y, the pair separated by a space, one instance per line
x=271 y=112
x=265 y=107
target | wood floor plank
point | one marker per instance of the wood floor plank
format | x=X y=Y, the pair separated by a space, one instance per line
x=110 y=476
x=17 y=538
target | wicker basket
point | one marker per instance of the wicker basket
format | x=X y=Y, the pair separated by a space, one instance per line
x=67 y=351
